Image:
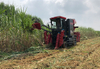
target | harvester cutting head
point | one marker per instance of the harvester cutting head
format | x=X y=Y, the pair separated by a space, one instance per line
x=36 y=25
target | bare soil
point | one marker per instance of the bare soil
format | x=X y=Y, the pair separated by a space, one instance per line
x=85 y=55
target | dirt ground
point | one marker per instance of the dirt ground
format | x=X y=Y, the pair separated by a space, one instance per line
x=85 y=55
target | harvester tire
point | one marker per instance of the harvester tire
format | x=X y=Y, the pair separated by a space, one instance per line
x=74 y=42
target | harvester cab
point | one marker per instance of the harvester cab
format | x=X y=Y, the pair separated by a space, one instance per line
x=56 y=22
x=62 y=32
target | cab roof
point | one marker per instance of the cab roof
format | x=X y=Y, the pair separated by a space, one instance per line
x=58 y=17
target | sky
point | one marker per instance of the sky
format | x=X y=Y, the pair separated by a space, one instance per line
x=85 y=12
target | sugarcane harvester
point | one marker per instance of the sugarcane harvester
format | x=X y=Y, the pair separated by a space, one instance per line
x=62 y=32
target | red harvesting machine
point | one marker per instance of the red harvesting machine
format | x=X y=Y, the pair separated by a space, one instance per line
x=62 y=32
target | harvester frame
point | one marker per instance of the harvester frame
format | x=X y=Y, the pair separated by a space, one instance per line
x=62 y=32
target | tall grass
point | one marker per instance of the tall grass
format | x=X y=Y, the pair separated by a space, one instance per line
x=15 y=25
x=87 y=33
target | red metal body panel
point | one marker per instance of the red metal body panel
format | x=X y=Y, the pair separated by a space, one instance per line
x=61 y=38
x=47 y=38
x=74 y=21
x=78 y=36
x=58 y=17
